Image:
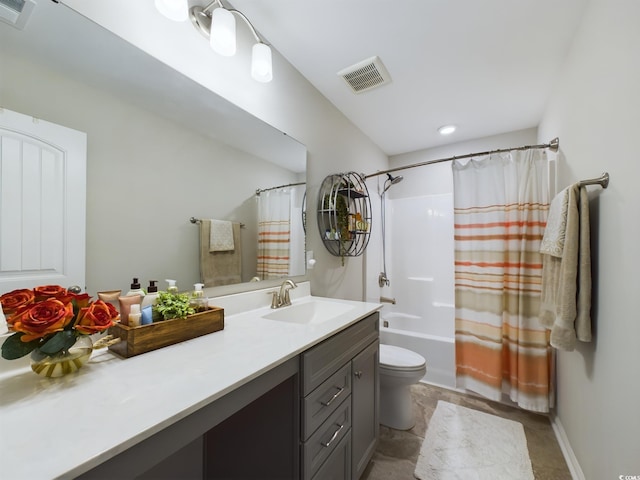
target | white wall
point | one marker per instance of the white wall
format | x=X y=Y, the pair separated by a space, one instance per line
x=146 y=176
x=595 y=110
x=289 y=103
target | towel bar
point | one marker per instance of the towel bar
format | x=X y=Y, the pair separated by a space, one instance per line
x=197 y=220
x=602 y=180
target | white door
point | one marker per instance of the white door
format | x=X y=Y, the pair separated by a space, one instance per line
x=42 y=203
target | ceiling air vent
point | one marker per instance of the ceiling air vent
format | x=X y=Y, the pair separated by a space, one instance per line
x=16 y=12
x=365 y=75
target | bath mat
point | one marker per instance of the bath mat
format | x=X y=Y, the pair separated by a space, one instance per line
x=462 y=443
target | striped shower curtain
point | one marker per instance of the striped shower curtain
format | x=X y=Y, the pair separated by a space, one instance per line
x=500 y=210
x=274 y=233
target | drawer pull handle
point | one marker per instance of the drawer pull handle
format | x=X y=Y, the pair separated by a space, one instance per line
x=358 y=373
x=333 y=437
x=330 y=401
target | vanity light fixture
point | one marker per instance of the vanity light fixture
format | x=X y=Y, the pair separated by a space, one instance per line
x=447 y=129
x=217 y=23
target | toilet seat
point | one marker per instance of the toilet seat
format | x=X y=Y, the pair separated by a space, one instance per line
x=400 y=359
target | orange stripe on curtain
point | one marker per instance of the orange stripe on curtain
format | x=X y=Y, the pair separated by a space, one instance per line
x=500 y=211
x=501 y=224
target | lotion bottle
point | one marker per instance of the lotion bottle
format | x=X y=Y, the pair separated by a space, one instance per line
x=135 y=315
x=126 y=303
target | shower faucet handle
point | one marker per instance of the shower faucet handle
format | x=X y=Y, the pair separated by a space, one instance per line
x=383 y=280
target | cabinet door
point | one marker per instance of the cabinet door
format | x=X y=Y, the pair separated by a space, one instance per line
x=365 y=402
x=338 y=465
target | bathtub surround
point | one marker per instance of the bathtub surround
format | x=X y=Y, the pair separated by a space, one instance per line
x=500 y=208
x=464 y=442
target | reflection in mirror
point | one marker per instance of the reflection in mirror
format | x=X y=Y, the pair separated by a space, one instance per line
x=281 y=231
x=161 y=149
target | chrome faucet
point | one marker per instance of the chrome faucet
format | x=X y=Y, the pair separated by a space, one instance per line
x=281 y=297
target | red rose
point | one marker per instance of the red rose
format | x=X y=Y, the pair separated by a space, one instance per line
x=49 y=291
x=13 y=300
x=81 y=299
x=41 y=319
x=95 y=318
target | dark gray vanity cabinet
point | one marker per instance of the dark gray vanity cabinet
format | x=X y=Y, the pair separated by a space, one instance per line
x=339 y=403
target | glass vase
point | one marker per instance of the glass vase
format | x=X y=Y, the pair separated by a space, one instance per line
x=64 y=362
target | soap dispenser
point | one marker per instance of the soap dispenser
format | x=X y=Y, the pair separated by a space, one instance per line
x=152 y=294
x=172 y=288
x=198 y=302
x=135 y=289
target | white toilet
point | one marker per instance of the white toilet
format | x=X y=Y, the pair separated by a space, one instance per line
x=399 y=369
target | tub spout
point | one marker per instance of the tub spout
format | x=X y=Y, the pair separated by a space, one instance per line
x=392 y=301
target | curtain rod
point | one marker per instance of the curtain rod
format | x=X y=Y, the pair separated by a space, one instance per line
x=553 y=145
x=260 y=190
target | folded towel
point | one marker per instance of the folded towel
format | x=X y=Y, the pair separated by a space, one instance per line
x=555 y=231
x=221 y=236
x=565 y=304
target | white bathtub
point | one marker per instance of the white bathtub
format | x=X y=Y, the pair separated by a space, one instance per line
x=403 y=330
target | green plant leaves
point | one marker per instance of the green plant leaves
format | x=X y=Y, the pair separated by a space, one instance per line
x=14 y=348
x=173 y=305
x=60 y=341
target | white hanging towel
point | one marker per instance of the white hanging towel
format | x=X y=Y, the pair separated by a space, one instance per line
x=221 y=236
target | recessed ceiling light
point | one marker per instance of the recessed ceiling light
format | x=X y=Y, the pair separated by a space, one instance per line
x=447 y=129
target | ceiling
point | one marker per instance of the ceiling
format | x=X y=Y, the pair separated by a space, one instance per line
x=486 y=66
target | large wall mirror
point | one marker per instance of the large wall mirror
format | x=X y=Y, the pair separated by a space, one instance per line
x=162 y=150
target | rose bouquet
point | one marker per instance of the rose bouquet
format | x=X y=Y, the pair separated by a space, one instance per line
x=50 y=319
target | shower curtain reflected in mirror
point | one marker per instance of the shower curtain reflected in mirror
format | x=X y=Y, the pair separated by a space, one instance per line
x=281 y=233
x=501 y=204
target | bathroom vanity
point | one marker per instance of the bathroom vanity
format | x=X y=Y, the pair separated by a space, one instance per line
x=276 y=394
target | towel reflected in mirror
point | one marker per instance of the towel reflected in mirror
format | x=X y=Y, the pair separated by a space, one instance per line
x=220 y=267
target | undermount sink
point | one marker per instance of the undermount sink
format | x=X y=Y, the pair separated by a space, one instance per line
x=309 y=312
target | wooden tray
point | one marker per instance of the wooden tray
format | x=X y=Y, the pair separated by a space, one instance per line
x=142 y=339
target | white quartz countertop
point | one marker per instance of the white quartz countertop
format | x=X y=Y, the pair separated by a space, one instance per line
x=51 y=428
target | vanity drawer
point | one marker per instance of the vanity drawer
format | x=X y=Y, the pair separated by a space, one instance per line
x=319 y=447
x=324 y=400
x=323 y=360
x=338 y=464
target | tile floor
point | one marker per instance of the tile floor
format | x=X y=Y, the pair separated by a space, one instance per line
x=397 y=452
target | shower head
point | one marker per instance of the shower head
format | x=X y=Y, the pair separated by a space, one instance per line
x=391 y=180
